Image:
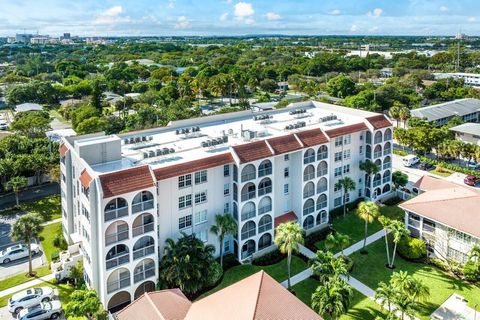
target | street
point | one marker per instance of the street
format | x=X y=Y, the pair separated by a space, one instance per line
x=33 y=193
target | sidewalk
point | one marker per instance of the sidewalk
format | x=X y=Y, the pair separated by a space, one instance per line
x=26 y=285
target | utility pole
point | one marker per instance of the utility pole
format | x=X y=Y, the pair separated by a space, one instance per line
x=458 y=56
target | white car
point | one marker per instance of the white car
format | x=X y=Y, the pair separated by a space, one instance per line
x=29 y=298
x=42 y=311
x=17 y=251
x=410 y=160
x=3 y=125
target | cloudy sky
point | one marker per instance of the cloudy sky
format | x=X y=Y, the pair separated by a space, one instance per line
x=231 y=17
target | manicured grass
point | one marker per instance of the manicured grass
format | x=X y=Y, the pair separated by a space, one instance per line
x=49 y=208
x=46 y=238
x=22 y=278
x=361 y=307
x=353 y=226
x=278 y=271
x=54 y=113
x=441 y=172
x=370 y=269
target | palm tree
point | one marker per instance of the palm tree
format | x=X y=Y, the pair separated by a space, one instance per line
x=346 y=184
x=398 y=231
x=288 y=238
x=337 y=241
x=394 y=112
x=474 y=254
x=385 y=222
x=367 y=211
x=26 y=229
x=409 y=286
x=386 y=294
x=371 y=169
x=404 y=115
x=325 y=265
x=224 y=225
x=468 y=151
x=332 y=298
x=17 y=184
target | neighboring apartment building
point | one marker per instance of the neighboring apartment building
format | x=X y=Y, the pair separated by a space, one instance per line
x=470 y=79
x=467 y=109
x=124 y=195
x=467 y=132
x=446 y=215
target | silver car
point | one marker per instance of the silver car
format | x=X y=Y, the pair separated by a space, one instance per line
x=44 y=310
x=18 y=251
x=29 y=298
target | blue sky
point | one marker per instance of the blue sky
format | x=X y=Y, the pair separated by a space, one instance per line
x=230 y=17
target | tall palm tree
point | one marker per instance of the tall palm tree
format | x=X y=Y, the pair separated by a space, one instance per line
x=337 y=241
x=385 y=222
x=468 y=151
x=288 y=238
x=371 y=169
x=394 y=112
x=17 y=184
x=332 y=298
x=409 y=286
x=224 y=225
x=27 y=228
x=367 y=211
x=346 y=184
x=398 y=231
x=474 y=254
x=404 y=115
x=386 y=294
x=325 y=265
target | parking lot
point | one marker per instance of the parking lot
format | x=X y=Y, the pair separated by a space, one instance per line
x=4 y=314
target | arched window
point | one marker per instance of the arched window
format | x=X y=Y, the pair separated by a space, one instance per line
x=322 y=153
x=368 y=137
x=118 y=279
x=377 y=192
x=265 y=205
x=386 y=188
x=308 y=190
x=386 y=176
x=322 y=201
x=308 y=223
x=248 y=249
x=387 y=163
x=147 y=286
x=265 y=241
x=248 y=191
x=265 y=168
x=116 y=208
x=235 y=211
x=309 y=156
x=322 y=169
x=143 y=224
x=248 y=230
x=248 y=211
x=368 y=152
x=235 y=192
x=387 y=135
x=377 y=180
x=117 y=256
x=144 y=269
x=322 y=185
x=322 y=217
x=143 y=247
x=377 y=152
x=265 y=224
x=378 y=137
x=387 y=149
x=248 y=173
x=264 y=187
x=119 y=300
x=309 y=173
x=308 y=207
x=378 y=162
x=142 y=201
x=116 y=232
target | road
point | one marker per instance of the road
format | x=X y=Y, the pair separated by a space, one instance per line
x=21 y=266
x=34 y=193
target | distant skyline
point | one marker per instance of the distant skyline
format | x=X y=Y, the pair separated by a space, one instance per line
x=229 y=17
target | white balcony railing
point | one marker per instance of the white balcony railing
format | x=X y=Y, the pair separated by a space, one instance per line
x=142 y=206
x=148 y=227
x=140 y=253
x=117 y=260
x=116 y=213
x=118 y=284
x=116 y=237
x=144 y=274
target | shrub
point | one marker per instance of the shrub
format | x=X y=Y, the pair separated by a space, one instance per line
x=316 y=236
x=449 y=166
x=55 y=256
x=412 y=248
x=229 y=261
x=349 y=262
x=60 y=242
x=471 y=271
x=400 y=152
x=392 y=201
x=339 y=211
x=440 y=264
x=215 y=274
x=269 y=258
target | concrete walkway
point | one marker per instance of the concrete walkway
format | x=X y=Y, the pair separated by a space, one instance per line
x=52 y=222
x=25 y=285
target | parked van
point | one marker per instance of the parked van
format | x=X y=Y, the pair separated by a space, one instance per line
x=410 y=160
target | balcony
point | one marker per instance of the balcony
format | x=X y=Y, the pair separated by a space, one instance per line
x=118 y=260
x=264 y=172
x=387 y=152
x=118 y=284
x=387 y=137
x=322 y=172
x=414 y=223
x=248 y=195
x=144 y=274
x=428 y=228
x=248 y=215
x=368 y=155
x=322 y=155
x=321 y=205
x=264 y=190
x=116 y=213
x=308 y=210
x=142 y=206
x=322 y=189
x=248 y=177
x=385 y=180
x=248 y=234
x=308 y=193
x=309 y=176
x=376 y=183
x=116 y=237
x=264 y=227
x=309 y=159
x=377 y=154
x=377 y=140
x=387 y=165
x=140 y=253
x=148 y=227
x=264 y=209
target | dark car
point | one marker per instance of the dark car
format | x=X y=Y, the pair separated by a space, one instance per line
x=471 y=180
x=425 y=166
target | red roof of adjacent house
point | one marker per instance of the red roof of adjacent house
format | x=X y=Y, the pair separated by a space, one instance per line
x=192 y=166
x=346 y=130
x=312 y=137
x=62 y=149
x=379 y=121
x=252 y=151
x=287 y=217
x=284 y=144
x=85 y=178
x=124 y=181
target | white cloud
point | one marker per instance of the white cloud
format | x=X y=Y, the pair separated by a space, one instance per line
x=377 y=12
x=224 y=17
x=171 y=4
x=354 y=28
x=272 y=16
x=249 y=21
x=243 y=10
x=334 y=12
x=182 y=23
x=472 y=19
x=373 y=29
x=111 y=16
x=443 y=8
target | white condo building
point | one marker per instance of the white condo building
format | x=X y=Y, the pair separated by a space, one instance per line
x=124 y=195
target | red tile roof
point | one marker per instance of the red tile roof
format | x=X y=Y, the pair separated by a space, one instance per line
x=85 y=178
x=379 y=121
x=346 y=130
x=289 y=216
x=192 y=166
x=312 y=137
x=284 y=144
x=62 y=149
x=124 y=181
x=252 y=151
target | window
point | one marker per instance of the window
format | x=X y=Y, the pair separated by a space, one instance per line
x=347 y=139
x=346 y=154
x=202 y=235
x=286 y=172
x=338 y=171
x=346 y=169
x=226 y=189
x=285 y=188
x=338 y=156
x=347 y=197
x=184 y=181
x=226 y=207
x=359 y=193
x=336 y=188
x=200 y=197
x=338 y=141
x=200 y=176
x=361 y=150
x=185 y=222
x=286 y=157
x=184 y=201
x=226 y=170
x=337 y=202
x=226 y=246
x=200 y=217
x=361 y=137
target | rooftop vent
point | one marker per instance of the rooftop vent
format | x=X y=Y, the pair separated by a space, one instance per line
x=214 y=142
x=328 y=118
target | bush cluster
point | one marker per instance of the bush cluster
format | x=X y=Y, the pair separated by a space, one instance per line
x=449 y=166
x=471 y=271
x=412 y=249
x=316 y=236
x=269 y=258
x=339 y=211
x=229 y=261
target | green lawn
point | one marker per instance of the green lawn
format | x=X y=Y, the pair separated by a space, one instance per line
x=353 y=226
x=46 y=238
x=361 y=307
x=22 y=278
x=370 y=269
x=278 y=271
x=441 y=172
x=49 y=208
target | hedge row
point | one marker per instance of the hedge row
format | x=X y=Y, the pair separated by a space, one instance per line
x=449 y=166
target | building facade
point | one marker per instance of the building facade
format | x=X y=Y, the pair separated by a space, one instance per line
x=124 y=195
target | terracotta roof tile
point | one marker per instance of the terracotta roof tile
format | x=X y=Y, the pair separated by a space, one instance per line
x=346 y=130
x=284 y=144
x=252 y=151
x=379 y=121
x=85 y=178
x=192 y=166
x=312 y=137
x=62 y=149
x=289 y=216
x=124 y=181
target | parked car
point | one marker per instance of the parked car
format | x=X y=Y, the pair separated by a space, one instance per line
x=410 y=160
x=473 y=165
x=471 y=180
x=17 y=251
x=42 y=311
x=425 y=166
x=3 y=125
x=29 y=298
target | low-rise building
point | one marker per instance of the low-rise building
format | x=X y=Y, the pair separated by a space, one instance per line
x=467 y=109
x=467 y=132
x=469 y=79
